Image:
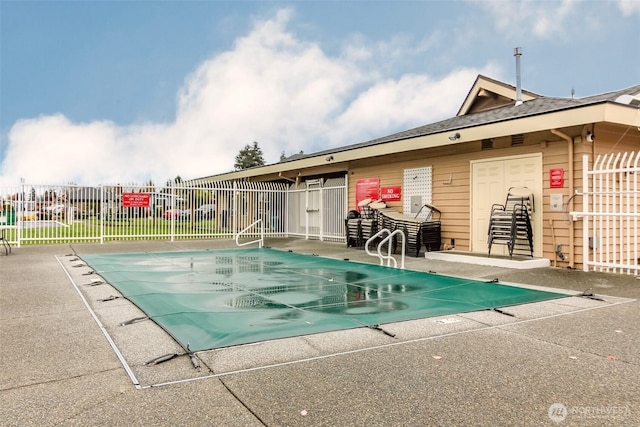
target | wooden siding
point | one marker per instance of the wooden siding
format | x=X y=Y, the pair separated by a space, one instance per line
x=611 y=138
x=451 y=181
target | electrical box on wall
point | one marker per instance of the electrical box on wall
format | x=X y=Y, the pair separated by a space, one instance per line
x=555 y=202
x=416 y=204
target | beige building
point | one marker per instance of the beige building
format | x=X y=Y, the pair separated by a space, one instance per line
x=502 y=137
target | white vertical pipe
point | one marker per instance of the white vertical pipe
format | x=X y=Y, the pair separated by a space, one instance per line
x=517 y=52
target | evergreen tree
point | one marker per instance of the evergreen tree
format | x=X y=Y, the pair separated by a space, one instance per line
x=248 y=157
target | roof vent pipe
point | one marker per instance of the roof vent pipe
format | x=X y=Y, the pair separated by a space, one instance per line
x=517 y=52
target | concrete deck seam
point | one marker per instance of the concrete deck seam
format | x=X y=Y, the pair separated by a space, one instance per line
x=602 y=356
x=58 y=380
x=240 y=401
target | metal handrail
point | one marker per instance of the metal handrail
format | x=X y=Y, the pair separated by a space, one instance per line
x=388 y=256
x=260 y=241
x=379 y=254
x=371 y=239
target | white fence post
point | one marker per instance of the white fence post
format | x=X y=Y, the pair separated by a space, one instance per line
x=234 y=208
x=21 y=218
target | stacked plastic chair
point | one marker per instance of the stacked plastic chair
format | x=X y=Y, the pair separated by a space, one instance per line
x=360 y=226
x=375 y=216
x=510 y=223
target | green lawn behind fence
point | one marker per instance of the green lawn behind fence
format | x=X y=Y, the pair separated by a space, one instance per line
x=90 y=229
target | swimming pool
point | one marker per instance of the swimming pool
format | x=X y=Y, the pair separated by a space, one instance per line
x=213 y=299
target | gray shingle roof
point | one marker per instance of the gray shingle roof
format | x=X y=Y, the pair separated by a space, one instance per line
x=542 y=105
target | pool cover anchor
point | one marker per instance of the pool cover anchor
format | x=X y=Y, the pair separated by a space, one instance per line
x=95 y=283
x=161 y=359
x=169 y=356
x=194 y=360
x=109 y=298
x=134 y=320
x=590 y=295
x=379 y=328
x=506 y=313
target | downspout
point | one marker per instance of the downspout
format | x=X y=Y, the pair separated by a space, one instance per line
x=571 y=193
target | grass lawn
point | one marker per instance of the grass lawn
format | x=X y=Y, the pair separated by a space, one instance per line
x=56 y=231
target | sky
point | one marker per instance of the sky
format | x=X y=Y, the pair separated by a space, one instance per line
x=115 y=92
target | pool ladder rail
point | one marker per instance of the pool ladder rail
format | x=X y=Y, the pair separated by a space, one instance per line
x=259 y=241
x=388 y=257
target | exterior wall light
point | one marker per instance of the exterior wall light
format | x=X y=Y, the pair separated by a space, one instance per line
x=455 y=136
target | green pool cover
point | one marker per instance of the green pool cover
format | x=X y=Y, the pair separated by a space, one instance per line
x=213 y=299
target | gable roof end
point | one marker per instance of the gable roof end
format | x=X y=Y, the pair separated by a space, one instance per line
x=488 y=94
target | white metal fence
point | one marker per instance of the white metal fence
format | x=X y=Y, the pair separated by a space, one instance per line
x=32 y=213
x=611 y=212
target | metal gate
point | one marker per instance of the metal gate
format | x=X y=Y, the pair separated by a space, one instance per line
x=611 y=213
x=317 y=209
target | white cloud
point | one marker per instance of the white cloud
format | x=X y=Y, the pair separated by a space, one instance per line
x=544 y=19
x=272 y=87
x=629 y=7
x=413 y=100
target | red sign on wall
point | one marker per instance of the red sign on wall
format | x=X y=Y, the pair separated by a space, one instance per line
x=367 y=188
x=136 y=200
x=391 y=193
x=556 y=178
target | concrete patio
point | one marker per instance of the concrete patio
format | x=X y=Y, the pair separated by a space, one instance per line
x=67 y=361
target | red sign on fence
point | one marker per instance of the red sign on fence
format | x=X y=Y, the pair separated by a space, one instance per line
x=391 y=193
x=136 y=200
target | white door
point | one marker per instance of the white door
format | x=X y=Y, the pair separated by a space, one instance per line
x=491 y=180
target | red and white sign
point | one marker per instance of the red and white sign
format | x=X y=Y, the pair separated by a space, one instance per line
x=367 y=188
x=136 y=200
x=391 y=193
x=556 y=178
